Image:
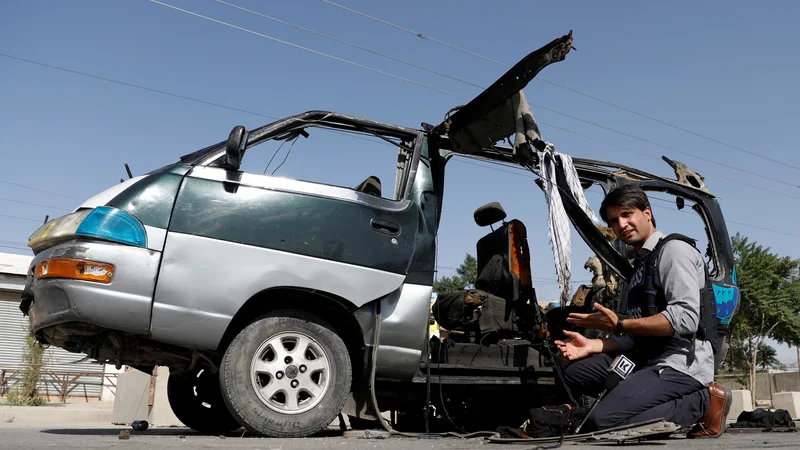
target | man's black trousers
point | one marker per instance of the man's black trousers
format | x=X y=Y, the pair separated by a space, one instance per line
x=648 y=393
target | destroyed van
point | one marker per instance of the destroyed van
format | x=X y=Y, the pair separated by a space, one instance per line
x=279 y=304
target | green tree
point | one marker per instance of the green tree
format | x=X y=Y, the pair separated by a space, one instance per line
x=738 y=360
x=465 y=277
x=767 y=357
x=769 y=301
x=468 y=270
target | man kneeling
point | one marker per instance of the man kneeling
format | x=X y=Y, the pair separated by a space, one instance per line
x=663 y=333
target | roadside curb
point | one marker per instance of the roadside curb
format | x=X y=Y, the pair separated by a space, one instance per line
x=51 y=415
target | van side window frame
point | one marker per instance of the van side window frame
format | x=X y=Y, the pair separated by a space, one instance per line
x=408 y=178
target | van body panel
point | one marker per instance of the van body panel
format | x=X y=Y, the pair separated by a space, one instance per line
x=204 y=281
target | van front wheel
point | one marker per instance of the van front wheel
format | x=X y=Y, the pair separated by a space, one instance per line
x=286 y=375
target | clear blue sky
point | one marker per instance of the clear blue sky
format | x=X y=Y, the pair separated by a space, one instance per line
x=725 y=69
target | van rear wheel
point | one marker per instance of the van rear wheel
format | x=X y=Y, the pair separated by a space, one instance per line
x=287 y=374
x=197 y=402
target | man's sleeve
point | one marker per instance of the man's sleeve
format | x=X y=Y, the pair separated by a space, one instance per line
x=625 y=343
x=680 y=270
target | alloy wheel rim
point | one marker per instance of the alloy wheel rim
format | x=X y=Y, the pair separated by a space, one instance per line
x=290 y=372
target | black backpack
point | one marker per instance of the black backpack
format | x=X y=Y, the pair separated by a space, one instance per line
x=549 y=421
x=762 y=418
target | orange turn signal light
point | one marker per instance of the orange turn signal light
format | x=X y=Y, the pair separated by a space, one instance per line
x=75 y=269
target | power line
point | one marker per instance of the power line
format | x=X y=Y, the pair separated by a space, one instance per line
x=22 y=218
x=465 y=98
x=634 y=151
x=347 y=133
x=39 y=190
x=476 y=85
x=306 y=49
x=276 y=118
x=766 y=177
x=469 y=83
x=685 y=130
x=464 y=161
x=171 y=94
x=33 y=204
x=651 y=196
x=639 y=152
x=664 y=200
x=354 y=135
x=13 y=248
x=326 y=36
x=576 y=91
x=157 y=91
x=763 y=228
x=15 y=244
x=657 y=158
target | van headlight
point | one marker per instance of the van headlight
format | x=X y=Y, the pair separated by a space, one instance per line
x=112 y=224
x=103 y=222
x=57 y=229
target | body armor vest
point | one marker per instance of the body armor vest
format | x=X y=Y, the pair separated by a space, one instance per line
x=646 y=298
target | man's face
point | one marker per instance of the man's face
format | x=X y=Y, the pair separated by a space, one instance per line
x=631 y=225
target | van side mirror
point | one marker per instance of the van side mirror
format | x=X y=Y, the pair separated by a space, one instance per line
x=234 y=149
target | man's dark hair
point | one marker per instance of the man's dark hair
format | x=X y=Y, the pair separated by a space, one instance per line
x=630 y=195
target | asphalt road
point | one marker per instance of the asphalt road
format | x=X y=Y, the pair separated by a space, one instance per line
x=77 y=437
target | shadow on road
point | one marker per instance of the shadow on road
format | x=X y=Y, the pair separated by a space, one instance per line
x=115 y=432
x=178 y=432
x=627 y=444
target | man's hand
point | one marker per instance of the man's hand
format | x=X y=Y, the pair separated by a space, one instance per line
x=577 y=346
x=605 y=319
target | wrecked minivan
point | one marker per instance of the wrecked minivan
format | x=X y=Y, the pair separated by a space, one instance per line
x=279 y=304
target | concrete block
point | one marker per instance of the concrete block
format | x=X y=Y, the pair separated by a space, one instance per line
x=161 y=414
x=132 y=400
x=742 y=401
x=790 y=401
x=109 y=390
x=766 y=404
x=132 y=397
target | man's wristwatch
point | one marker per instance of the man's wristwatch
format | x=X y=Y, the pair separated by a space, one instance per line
x=620 y=331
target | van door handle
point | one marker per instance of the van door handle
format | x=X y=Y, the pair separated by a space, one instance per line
x=385 y=227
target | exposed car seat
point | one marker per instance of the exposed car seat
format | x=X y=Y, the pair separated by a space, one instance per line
x=371 y=186
x=499 y=301
x=504 y=265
